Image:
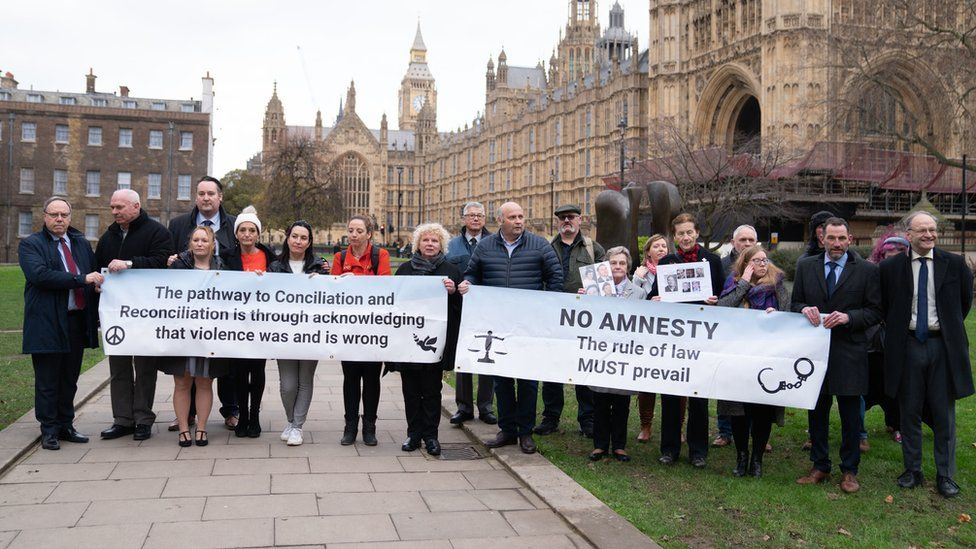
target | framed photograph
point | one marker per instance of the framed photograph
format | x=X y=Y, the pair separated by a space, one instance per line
x=684 y=282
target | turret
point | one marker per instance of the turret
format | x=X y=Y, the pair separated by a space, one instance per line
x=490 y=76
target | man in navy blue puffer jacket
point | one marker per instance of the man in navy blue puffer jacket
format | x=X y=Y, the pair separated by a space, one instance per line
x=514 y=258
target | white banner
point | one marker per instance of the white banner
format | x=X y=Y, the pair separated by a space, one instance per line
x=243 y=315
x=656 y=347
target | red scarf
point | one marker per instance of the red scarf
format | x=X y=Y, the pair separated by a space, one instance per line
x=691 y=256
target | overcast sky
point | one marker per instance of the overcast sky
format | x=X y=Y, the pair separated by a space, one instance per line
x=312 y=49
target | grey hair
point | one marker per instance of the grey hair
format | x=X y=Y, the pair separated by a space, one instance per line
x=911 y=217
x=472 y=204
x=427 y=228
x=735 y=233
x=130 y=194
x=617 y=250
x=56 y=199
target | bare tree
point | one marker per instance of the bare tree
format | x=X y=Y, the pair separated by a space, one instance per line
x=904 y=74
x=723 y=188
x=301 y=186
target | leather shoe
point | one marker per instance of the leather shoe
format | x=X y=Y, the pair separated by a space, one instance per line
x=50 y=442
x=142 y=432
x=815 y=476
x=910 y=479
x=947 y=487
x=488 y=418
x=432 y=446
x=69 y=434
x=698 y=463
x=546 y=428
x=720 y=441
x=586 y=431
x=527 y=444
x=116 y=431
x=502 y=439
x=410 y=444
x=864 y=446
x=460 y=417
x=849 y=483
x=666 y=459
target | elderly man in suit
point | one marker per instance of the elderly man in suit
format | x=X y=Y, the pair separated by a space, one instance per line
x=846 y=288
x=926 y=296
x=60 y=317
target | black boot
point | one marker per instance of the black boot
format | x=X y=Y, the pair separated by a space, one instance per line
x=254 y=424
x=349 y=432
x=741 y=464
x=369 y=432
x=242 y=422
x=755 y=465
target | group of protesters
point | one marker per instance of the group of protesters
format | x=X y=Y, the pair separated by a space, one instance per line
x=896 y=321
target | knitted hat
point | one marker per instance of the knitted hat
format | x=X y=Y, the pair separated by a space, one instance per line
x=897 y=241
x=248 y=214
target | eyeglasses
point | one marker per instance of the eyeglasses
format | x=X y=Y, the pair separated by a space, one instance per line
x=58 y=215
x=474 y=216
x=565 y=217
x=760 y=261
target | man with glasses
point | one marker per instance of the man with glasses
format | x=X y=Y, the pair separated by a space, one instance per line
x=459 y=251
x=60 y=318
x=926 y=296
x=574 y=251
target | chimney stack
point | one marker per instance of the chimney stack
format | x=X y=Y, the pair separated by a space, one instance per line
x=7 y=81
x=124 y=91
x=90 y=81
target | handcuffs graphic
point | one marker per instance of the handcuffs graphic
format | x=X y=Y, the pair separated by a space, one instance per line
x=800 y=377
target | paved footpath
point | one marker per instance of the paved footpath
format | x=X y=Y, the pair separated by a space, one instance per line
x=242 y=492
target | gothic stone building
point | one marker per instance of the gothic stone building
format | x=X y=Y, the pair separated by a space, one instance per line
x=84 y=146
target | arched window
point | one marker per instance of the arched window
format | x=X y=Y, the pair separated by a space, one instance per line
x=355 y=184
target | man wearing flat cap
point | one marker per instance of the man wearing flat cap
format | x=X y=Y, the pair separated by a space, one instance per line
x=574 y=251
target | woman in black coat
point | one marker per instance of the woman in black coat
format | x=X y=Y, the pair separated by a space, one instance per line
x=421 y=383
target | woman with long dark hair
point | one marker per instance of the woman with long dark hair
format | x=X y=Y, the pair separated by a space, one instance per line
x=361 y=379
x=297 y=376
x=755 y=283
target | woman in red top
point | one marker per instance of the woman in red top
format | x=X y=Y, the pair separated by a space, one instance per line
x=361 y=379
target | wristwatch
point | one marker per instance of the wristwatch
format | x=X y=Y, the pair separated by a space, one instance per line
x=128 y=264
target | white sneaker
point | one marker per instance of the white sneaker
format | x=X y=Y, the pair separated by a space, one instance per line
x=295 y=438
x=287 y=432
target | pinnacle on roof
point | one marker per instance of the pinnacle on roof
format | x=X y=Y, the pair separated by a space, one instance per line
x=418 y=41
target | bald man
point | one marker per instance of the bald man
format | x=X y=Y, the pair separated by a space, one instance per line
x=133 y=241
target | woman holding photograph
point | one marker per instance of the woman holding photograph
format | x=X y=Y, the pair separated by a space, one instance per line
x=645 y=275
x=755 y=283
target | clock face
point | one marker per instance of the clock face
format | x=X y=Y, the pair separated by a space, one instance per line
x=418 y=103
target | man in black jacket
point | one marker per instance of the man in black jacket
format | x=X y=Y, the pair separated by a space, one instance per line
x=209 y=212
x=133 y=242
x=927 y=295
x=514 y=258
x=847 y=289
x=60 y=318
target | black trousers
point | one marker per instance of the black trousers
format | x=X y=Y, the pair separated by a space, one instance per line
x=464 y=396
x=553 y=401
x=226 y=393
x=925 y=381
x=610 y=414
x=360 y=379
x=851 y=425
x=249 y=382
x=422 y=401
x=56 y=380
x=876 y=393
x=132 y=385
x=671 y=426
x=516 y=405
x=758 y=421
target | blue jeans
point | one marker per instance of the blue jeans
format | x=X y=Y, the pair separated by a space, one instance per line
x=516 y=405
x=724 y=426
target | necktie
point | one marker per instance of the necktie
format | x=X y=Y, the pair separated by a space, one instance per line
x=922 y=315
x=831 y=279
x=207 y=223
x=73 y=268
x=473 y=242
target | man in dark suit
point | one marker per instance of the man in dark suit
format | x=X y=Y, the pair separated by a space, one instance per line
x=209 y=212
x=134 y=241
x=926 y=295
x=847 y=289
x=60 y=318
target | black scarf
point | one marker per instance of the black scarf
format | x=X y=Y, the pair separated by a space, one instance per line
x=424 y=266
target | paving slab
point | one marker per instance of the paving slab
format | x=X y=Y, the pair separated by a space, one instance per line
x=29 y=517
x=413 y=482
x=22 y=494
x=163 y=469
x=256 y=466
x=139 y=511
x=452 y=500
x=269 y=506
x=83 y=537
x=229 y=485
x=320 y=482
x=214 y=534
x=56 y=472
x=355 y=464
x=364 y=503
x=451 y=525
x=521 y=542
x=97 y=490
x=334 y=529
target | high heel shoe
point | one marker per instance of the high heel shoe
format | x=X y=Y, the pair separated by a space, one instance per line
x=597 y=455
x=202 y=441
x=185 y=440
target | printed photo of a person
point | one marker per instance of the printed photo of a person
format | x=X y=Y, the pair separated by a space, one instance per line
x=696 y=286
x=690 y=273
x=686 y=287
x=589 y=275
x=699 y=272
x=592 y=289
x=672 y=285
x=608 y=289
x=603 y=271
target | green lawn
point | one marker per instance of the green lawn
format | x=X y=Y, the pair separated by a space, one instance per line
x=682 y=507
x=16 y=372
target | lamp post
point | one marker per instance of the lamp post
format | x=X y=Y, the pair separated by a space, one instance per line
x=552 y=198
x=399 y=199
x=623 y=129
